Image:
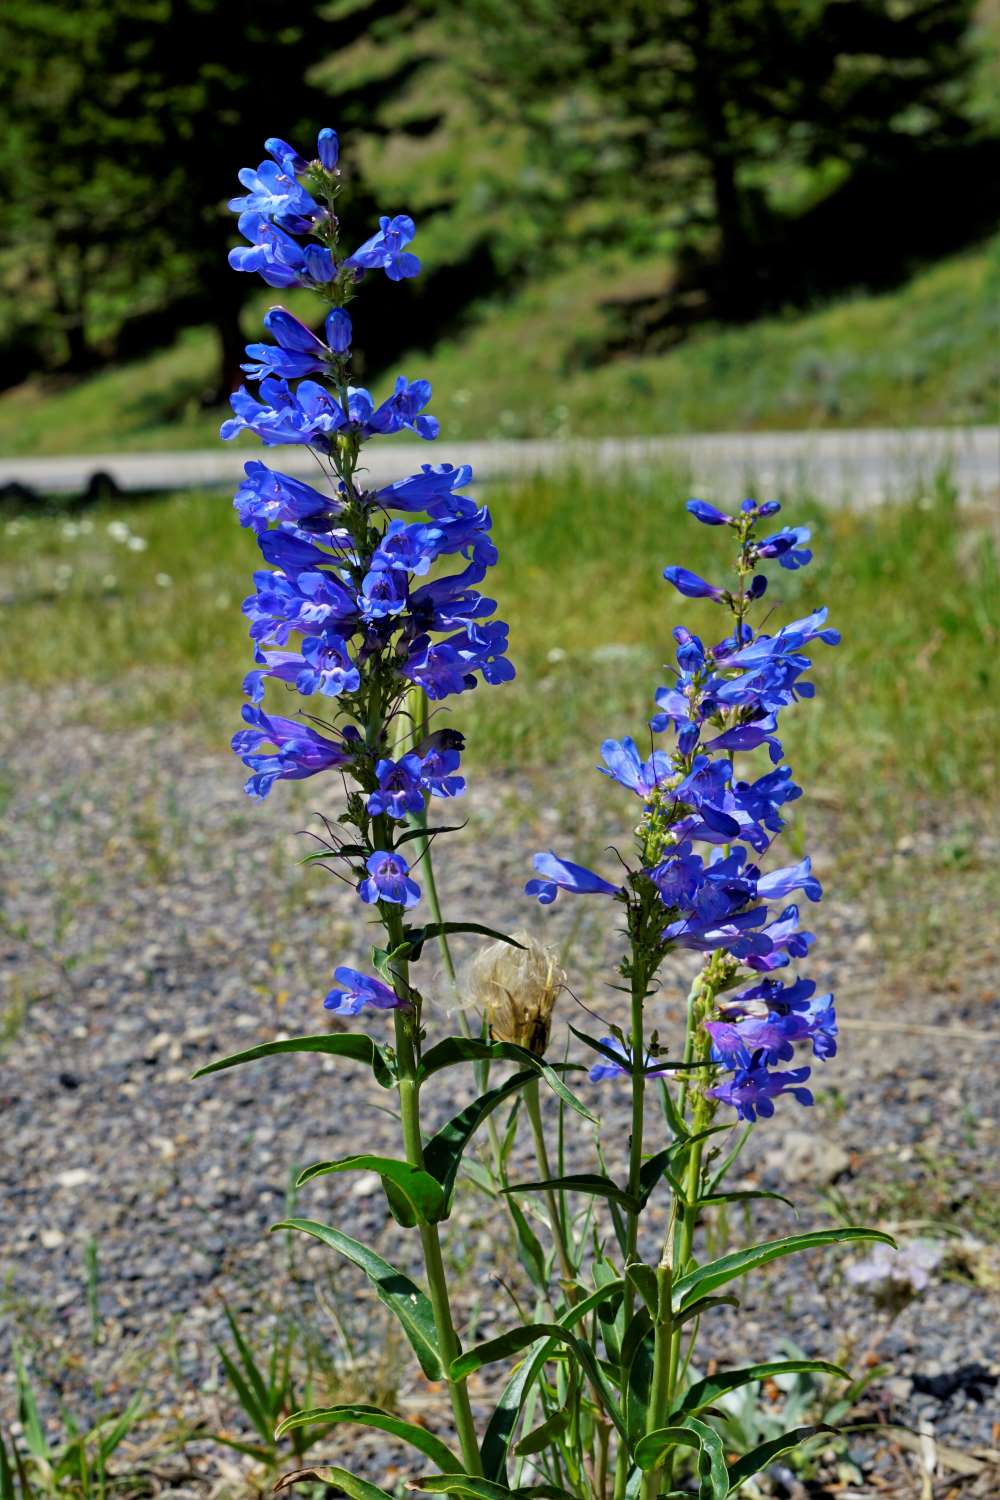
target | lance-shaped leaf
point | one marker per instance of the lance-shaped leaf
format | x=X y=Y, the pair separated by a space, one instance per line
x=744 y=1196
x=704 y=1392
x=343 y=1479
x=542 y=1436
x=765 y=1453
x=704 y=1279
x=651 y=1450
x=373 y=1416
x=503 y=1423
x=457 y=1049
x=592 y=1183
x=703 y=1305
x=347 y=1044
x=461 y=1484
x=401 y=1296
x=643 y=1278
x=415 y=1197
x=443 y=1152
x=638 y=1385
x=418 y=936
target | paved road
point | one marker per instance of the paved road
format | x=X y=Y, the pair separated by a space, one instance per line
x=860 y=467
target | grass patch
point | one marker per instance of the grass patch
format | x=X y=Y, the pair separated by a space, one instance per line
x=135 y=615
x=530 y=367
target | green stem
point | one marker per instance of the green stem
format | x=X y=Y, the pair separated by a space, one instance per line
x=533 y=1106
x=634 y=1170
x=663 y=1338
x=437 y=1281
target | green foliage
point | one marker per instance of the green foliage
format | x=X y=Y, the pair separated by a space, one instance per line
x=77 y=1465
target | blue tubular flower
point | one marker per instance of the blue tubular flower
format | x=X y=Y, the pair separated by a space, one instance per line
x=709 y=515
x=770 y=1036
x=561 y=875
x=388 y=880
x=626 y=767
x=266 y=496
x=788 y=546
x=384 y=251
x=609 y=1069
x=400 y=788
x=278 y=259
x=820 y=1019
x=403 y=408
x=691 y=586
x=299 y=351
x=437 y=773
x=432 y=487
x=328 y=668
x=751 y=1090
x=298 y=750
x=781 y=883
x=408 y=548
x=785 y=942
x=275 y=194
x=358 y=990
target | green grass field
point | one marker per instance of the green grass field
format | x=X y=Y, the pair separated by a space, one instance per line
x=137 y=610
x=925 y=353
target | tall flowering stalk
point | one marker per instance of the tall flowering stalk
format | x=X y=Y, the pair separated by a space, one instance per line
x=357 y=614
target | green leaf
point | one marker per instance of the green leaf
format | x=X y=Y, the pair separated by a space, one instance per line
x=373 y=1416
x=703 y=1305
x=592 y=1183
x=28 y=1413
x=743 y=1197
x=414 y=1196
x=343 y=1479
x=6 y=1473
x=532 y=1256
x=418 y=936
x=503 y=1422
x=713 y=1476
x=540 y=1437
x=349 y=1044
x=643 y=1278
x=651 y=1450
x=765 y=1453
x=651 y=1172
x=456 y=1049
x=638 y=1385
x=443 y=1152
x=706 y=1278
x=400 y=1295
x=511 y=1342
x=258 y=1414
x=461 y=1484
x=706 y=1391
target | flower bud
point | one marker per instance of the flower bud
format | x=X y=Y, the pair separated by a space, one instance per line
x=328 y=148
x=516 y=988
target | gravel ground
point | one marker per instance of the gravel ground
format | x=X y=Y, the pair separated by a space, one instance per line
x=154 y=918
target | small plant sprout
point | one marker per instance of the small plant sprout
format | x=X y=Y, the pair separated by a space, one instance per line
x=367 y=614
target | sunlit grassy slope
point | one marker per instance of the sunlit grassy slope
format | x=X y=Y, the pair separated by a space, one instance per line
x=925 y=353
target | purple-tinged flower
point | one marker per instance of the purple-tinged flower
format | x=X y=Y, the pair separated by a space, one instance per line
x=626 y=766
x=437 y=773
x=609 y=1069
x=892 y=1274
x=821 y=1023
x=328 y=148
x=709 y=515
x=691 y=586
x=328 y=668
x=752 y=1089
x=408 y=548
x=400 y=788
x=771 y=1036
x=749 y=736
x=383 y=592
x=384 y=251
x=358 y=990
x=286 y=156
x=388 y=880
x=560 y=875
x=299 y=751
x=788 y=546
x=678 y=876
x=785 y=943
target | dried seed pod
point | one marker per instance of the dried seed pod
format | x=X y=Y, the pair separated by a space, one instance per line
x=516 y=989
